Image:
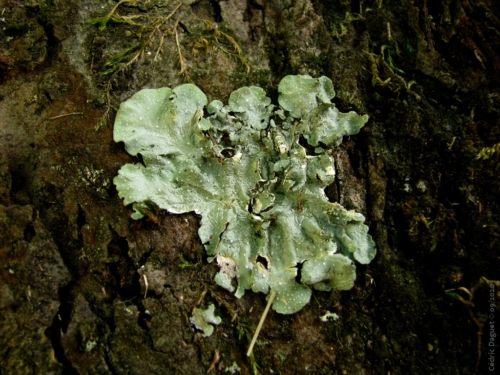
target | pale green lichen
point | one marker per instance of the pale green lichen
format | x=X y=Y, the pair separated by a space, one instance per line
x=203 y=319
x=233 y=369
x=261 y=196
x=329 y=316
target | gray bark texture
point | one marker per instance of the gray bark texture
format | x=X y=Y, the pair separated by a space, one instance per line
x=424 y=171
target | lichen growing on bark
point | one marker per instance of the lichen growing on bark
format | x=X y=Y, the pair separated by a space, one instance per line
x=260 y=194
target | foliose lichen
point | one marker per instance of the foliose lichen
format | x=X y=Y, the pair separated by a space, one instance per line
x=203 y=318
x=260 y=194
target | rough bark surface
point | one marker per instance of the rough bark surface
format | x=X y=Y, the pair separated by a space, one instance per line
x=72 y=263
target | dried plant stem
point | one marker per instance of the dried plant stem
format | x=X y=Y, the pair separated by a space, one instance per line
x=261 y=322
x=181 y=58
x=160 y=47
x=66 y=114
x=173 y=12
x=112 y=12
x=159 y=22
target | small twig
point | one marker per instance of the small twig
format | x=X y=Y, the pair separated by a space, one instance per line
x=66 y=114
x=159 y=22
x=112 y=12
x=202 y=295
x=145 y=285
x=215 y=360
x=261 y=322
x=181 y=58
x=135 y=58
x=173 y=12
x=160 y=47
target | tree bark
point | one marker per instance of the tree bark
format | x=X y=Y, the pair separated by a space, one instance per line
x=423 y=171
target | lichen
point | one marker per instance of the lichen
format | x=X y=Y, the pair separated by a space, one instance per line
x=260 y=194
x=204 y=318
